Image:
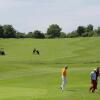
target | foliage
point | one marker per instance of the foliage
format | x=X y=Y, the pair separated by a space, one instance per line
x=9 y=31
x=62 y=35
x=83 y=31
x=38 y=34
x=80 y=30
x=1 y=32
x=89 y=28
x=54 y=31
x=72 y=34
x=20 y=35
x=98 y=31
x=29 y=35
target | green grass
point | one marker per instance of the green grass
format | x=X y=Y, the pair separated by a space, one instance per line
x=24 y=76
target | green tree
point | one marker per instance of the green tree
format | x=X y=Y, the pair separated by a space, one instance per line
x=30 y=35
x=88 y=34
x=81 y=30
x=38 y=34
x=89 y=28
x=54 y=31
x=20 y=35
x=98 y=31
x=72 y=34
x=63 y=35
x=9 y=31
x=1 y=32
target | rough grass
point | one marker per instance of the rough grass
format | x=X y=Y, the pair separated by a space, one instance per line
x=24 y=76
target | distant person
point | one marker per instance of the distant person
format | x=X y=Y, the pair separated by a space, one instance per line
x=97 y=74
x=93 y=80
x=34 y=50
x=37 y=52
x=64 y=77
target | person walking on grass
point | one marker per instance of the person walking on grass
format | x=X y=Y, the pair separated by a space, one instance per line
x=97 y=75
x=63 y=77
x=93 y=81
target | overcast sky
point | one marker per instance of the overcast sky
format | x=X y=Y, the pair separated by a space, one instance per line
x=30 y=15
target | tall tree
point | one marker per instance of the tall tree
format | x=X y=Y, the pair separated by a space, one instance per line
x=38 y=34
x=1 y=32
x=20 y=35
x=9 y=31
x=89 y=28
x=81 y=30
x=73 y=34
x=98 y=31
x=63 y=35
x=30 y=35
x=54 y=31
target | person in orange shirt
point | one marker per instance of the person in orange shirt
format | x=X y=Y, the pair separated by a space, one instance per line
x=63 y=77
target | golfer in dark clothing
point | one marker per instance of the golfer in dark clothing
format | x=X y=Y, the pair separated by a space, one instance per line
x=93 y=80
x=97 y=74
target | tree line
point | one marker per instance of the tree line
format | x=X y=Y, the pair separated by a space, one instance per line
x=53 y=31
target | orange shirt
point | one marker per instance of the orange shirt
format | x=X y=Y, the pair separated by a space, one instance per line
x=63 y=72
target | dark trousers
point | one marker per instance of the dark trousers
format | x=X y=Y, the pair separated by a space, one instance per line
x=96 y=83
x=93 y=85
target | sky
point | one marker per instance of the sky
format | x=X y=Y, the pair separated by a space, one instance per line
x=30 y=15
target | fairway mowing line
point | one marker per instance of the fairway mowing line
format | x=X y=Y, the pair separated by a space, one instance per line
x=31 y=72
x=83 y=95
x=78 y=92
x=80 y=68
x=64 y=57
x=24 y=73
x=54 y=58
x=18 y=92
